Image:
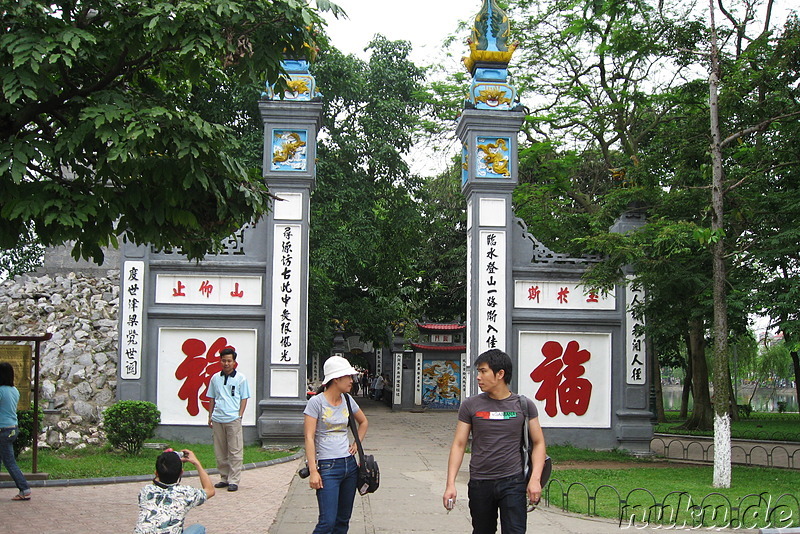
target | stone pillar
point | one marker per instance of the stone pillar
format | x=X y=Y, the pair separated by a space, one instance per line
x=490 y=141
x=634 y=428
x=291 y=123
x=488 y=131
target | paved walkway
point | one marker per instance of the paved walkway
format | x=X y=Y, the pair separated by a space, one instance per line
x=112 y=508
x=411 y=449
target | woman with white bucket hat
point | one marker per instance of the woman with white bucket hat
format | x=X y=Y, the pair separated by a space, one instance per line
x=330 y=455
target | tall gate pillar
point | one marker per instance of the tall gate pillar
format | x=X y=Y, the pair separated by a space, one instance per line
x=488 y=131
x=291 y=123
x=580 y=355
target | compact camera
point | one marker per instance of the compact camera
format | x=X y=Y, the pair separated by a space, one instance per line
x=304 y=472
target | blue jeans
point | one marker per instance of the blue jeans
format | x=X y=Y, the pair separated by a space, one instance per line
x=335 y=499
x=509 y=495
x=7 y=438
x=195 y=529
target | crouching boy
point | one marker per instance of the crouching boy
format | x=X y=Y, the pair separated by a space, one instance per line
x=163 y=505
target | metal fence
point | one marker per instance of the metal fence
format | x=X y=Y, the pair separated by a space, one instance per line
x=640 y=508
x=743 y=452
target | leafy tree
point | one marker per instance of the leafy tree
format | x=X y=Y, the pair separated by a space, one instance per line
x=365 y=220
x=442 y=249
x=618 y=84
x=770 y=161
x=601 y=72
x=608 y=80
x=24 y=258
x=101 y=131
x=754 y=60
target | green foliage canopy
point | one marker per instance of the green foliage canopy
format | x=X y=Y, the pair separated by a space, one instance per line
x=100 y=130
x=365 y=220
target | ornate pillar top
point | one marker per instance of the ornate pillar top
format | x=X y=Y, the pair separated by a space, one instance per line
x=488 y=60
x=300 y=84
x=489 y=41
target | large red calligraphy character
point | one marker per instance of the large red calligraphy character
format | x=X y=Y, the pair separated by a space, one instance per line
x=197 y=369
x=560 y=375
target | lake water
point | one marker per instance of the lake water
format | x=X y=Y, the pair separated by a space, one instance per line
x=765 y=399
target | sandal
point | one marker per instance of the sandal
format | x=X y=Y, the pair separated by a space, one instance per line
x=21 y=497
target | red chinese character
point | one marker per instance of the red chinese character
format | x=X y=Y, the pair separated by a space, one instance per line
x=560 y=374
x=236 y=291
x=206 y=288
x=197 y=369
x=592 y=297
x=534 y=292
x=178 y=291
x=562 y=295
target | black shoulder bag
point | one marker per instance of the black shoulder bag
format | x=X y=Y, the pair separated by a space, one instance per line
x=369 y=477
x=527 y=449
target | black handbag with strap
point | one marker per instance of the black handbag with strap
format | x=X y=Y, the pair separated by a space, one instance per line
x=369 y=476
x=527 y=449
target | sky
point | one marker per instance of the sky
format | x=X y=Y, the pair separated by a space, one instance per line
x=425 y=23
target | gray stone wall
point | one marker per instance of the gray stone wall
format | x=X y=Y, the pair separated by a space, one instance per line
x=78 y=368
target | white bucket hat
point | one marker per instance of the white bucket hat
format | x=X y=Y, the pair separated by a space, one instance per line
x=337 y=367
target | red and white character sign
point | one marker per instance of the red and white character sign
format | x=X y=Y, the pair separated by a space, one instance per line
x=208 y=289
x=558 y=295
x=187 y=359
x=569 y=377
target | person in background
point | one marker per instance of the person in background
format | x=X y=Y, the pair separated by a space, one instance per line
x=9 y=430
x=365 y=384
x=228 y=392
x=329 y=453
x=379 y=383
x=163 y=505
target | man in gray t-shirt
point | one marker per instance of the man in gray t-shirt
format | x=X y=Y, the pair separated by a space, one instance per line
x=496 y=420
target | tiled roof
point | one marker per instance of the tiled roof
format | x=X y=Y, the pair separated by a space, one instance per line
x=439 y=327
x=439 y=348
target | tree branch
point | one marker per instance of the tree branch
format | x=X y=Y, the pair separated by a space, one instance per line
x=760 y=127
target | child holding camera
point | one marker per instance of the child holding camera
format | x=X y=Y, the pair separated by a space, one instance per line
x=163 y=505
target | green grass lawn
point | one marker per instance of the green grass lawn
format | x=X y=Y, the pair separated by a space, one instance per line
x=103 y=461
x=648 y=487
x=769 y=426
x=755 y=492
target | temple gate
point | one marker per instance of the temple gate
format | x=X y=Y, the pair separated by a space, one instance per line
x=576 y=353
x=177 y=315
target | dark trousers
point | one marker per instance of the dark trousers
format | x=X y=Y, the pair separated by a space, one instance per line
x=508 y=495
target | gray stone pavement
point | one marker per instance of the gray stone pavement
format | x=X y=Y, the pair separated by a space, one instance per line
x=411 y=449
x=112 y=508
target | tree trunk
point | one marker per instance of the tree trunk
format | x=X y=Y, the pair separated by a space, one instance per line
x=796 y=365
x=701 y=418
x=733 y=409
x=656 y=378
x=722 y=419
x=687 y=382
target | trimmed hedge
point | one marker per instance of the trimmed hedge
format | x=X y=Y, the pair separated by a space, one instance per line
x=129 y=423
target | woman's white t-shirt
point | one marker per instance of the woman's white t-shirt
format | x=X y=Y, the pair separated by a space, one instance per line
x=331 y=438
